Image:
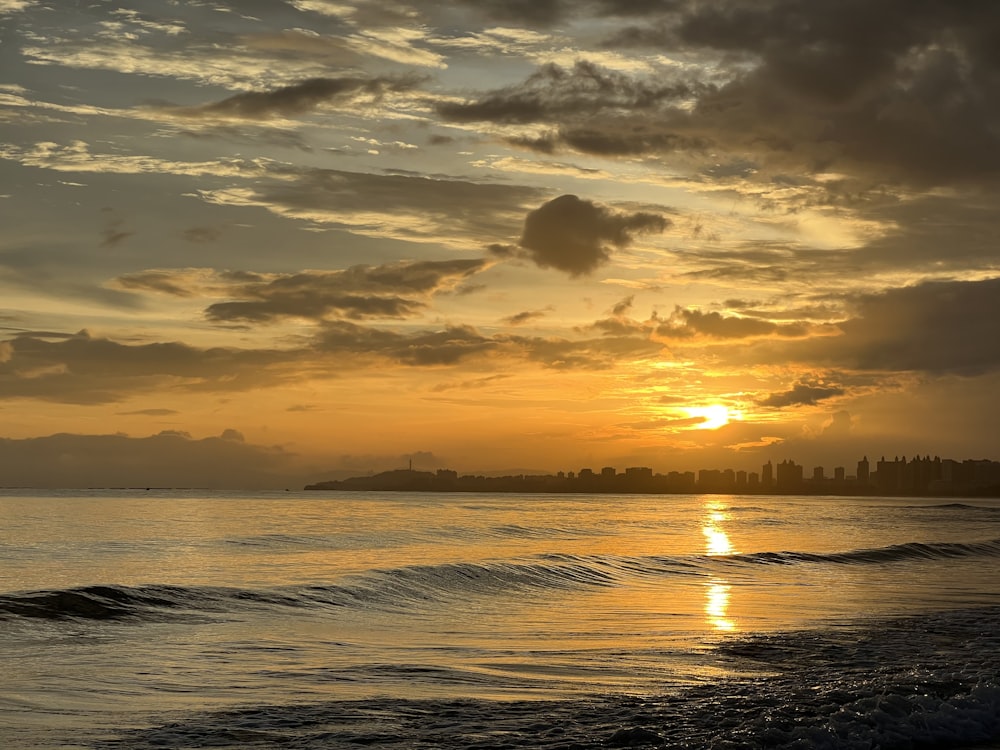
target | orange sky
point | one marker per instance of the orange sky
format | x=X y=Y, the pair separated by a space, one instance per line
x=259 y=243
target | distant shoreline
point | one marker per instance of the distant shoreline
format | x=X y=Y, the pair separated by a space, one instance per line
x=644 y=482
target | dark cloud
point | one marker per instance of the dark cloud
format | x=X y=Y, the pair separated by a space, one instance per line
x=937 y=327
x=801 y=394
x=169 y=459
x=422 y=348
x=891 y=89
x=624 y=306
x=685 y=323
x=455 y=344
x=888 y=91
x=525 y=12
x=503 y=251
x=297 y=98
x=526 y=317
x=82 y=369
x=553 y=93
x=396 y=290
x=150 y=413
x=573 y=235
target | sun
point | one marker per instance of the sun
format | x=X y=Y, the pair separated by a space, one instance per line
x=713 y=416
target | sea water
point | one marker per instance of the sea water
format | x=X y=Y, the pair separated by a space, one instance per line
x=133 y=619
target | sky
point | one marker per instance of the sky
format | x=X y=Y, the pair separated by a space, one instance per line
x=264 y=242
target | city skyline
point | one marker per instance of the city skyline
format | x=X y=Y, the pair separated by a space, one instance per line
x=918 y=476
x=251 y=241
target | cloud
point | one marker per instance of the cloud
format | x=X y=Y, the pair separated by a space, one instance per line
x=114 y=234
x=685 y=323
x=573 y=235
x=395 y=290
x=81 y=369
x=150 y=413
x=886 y=90
x=527 y=12
x=455 y=213
x=297 y=98
x=526 y=316
x=168 y=459
x=553 y=93
x=13 y=6
x=179 y=282
x=86 y=370
x=77 y=157
x=423 y=348
x=801 y=394
x=935 y=327
x=455 y=344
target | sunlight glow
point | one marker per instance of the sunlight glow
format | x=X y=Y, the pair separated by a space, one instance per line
x=714 y=416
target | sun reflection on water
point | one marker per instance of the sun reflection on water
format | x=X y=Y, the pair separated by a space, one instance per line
x=717 y=605
x=717 y=543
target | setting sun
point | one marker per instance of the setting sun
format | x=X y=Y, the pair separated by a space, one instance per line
x=714 y=416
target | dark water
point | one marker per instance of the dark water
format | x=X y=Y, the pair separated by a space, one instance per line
x=312 y=620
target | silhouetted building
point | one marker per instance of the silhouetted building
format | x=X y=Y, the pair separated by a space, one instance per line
x=710 y=480
x=818 y=474
x=889 y=474
x=863 y=472
x=677 y=481
x=839 y=474
x=789 y=476
x=767 y=475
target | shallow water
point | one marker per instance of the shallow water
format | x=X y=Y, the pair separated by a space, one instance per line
x=184 y=619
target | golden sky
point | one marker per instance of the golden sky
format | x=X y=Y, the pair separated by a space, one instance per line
x=260 y=242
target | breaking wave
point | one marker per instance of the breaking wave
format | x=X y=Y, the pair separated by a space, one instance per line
x=424 y=585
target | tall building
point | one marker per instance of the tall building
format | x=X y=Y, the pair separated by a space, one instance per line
x=767 y=475
x=864 y=475
x=789 y=476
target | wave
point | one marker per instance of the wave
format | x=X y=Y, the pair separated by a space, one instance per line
x=947 y=510
x=875 y=555
x=396 y=589
x=150 y=602
x=296 y=542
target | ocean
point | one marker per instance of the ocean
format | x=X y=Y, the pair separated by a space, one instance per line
x=134 y=619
